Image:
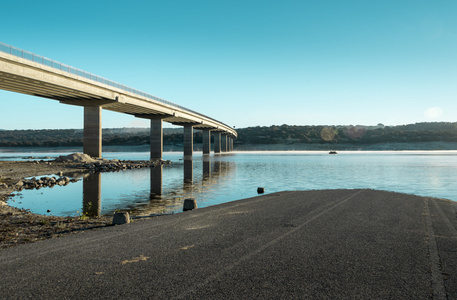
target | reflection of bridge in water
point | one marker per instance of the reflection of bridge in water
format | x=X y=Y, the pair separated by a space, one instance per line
x=161 y=201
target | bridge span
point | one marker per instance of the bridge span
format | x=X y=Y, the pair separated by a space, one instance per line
x=27 y=73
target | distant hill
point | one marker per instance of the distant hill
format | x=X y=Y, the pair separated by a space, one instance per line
x=339 y=136
x=359 y=134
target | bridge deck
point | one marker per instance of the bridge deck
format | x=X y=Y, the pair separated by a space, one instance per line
x=27 y=76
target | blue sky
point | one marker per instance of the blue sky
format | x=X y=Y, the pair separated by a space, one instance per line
x=247 y=63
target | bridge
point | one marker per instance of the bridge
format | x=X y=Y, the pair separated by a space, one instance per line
x=28 y=73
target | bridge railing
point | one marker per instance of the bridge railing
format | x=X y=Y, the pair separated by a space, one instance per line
x=75 y=71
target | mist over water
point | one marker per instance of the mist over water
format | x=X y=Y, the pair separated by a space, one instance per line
x=235 y=176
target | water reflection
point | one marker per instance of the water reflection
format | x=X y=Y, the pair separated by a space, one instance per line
x=92 y=203
x=188 y=172
x=156 y=182
x=217 y=168
x=224 y=178
x=206 y=168
x=156 y=199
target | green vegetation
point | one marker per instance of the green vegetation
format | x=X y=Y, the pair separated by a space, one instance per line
x=360 y=135
x=331 y=136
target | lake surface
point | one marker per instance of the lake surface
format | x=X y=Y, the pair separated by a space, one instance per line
x=234 y=176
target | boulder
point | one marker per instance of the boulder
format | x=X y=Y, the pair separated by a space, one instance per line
x=120 y=218
x=75 y=157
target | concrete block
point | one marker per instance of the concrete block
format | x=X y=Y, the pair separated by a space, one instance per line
x=120 y=218
x=189 y=204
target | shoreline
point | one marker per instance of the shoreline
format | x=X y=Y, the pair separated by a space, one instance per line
x=422 y=146
x=20 y=226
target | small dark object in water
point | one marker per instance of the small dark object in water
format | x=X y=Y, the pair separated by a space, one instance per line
x=332 y=152
x=260 y=190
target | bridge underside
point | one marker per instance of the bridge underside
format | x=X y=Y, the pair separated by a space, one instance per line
x=22 y=76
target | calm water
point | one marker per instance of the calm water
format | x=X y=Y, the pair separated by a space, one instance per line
x=236 y=176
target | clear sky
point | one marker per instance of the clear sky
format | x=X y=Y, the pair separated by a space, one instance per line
x=246 y=62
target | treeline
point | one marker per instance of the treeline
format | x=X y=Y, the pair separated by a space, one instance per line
x=283 y=134
x=74 y=137
x=287 y=134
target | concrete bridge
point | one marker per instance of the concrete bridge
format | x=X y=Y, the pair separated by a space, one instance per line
x=25 y=72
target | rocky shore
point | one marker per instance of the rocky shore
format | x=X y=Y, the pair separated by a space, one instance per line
x=18 y=226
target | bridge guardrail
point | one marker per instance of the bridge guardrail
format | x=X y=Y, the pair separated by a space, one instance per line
x=75 y=71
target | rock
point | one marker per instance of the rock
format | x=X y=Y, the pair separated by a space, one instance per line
x=120 y=218
x=75 y=157
x=189 y=204
x=19 y=183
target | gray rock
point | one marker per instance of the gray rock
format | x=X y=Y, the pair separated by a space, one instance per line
x=120 y=218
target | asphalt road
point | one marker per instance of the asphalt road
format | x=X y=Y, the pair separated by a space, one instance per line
x=332 y=244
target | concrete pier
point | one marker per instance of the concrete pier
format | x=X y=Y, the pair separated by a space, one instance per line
x=92 y=141
x=206 y=136
x=188 y=141
x=156 y=139
x=217 y=142
x=223 y=143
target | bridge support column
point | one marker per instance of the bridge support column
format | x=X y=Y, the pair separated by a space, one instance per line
x=156 y=139
x=92 y=141
x=217 y=142
x=188 y=141
x=224 y=143
x=206 y=135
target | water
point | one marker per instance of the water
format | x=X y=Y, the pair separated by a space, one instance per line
x=224 y=178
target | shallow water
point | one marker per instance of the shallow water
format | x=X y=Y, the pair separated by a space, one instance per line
x=229 y=177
